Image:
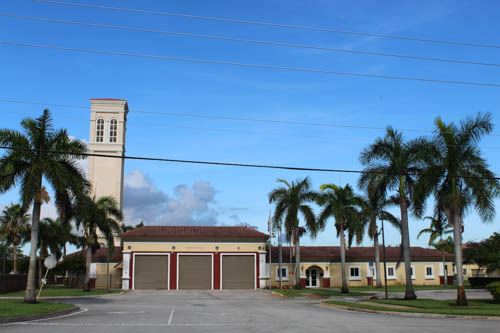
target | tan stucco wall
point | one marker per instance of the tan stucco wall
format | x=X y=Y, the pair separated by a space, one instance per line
x=336 y=280
x=114 y=276
x=473 y=269
x=106 y=174
x=192 y=247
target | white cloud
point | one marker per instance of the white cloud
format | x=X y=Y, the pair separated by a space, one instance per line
x=188 y=205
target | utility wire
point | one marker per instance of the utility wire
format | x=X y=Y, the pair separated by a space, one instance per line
x=268 y=24
x=247 y=65
x=214 y=117
x=244 y=165
x=250 y=41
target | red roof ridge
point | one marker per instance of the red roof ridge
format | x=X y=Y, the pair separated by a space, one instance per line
x=194 y=231
x=108 y=99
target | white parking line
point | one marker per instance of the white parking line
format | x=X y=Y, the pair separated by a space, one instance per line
x=123 y=324
x=171 y=316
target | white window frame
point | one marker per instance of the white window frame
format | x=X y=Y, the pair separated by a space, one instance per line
x=115 y=130
x=283 y=278
x=99 y=138
x=427 y=276
x=179 y=254
x=393 y=276
x=150 y=254
x=355 y=278
x=413 y=272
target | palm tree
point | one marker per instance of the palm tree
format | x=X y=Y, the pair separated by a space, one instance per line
x=290 y=200
x=39 y=154
x=437 y=230
x=99 y=218
x=54 y=235
x=343 y=205
x=391 y=164
x=459 y=178
x=13 y=223
x=126 y=228
x=373 y=207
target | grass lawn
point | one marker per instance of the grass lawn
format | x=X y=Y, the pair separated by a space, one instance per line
x=475 y=308
x=51 y=291
x=17 y=308
x=323 y=292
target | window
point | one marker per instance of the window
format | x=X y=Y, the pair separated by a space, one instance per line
x=429 y=272
x=391 y=273
x=412 y=272
x=354 y=273
x=464 y=271
x=99 y=131
x=284 y=273
x=113 y=130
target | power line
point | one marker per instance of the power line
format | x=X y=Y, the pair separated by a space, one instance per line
x=244 y=40
x=230 y=164
x=248 y=65
x=157 y=159
x=268 y=24
x=214 y=117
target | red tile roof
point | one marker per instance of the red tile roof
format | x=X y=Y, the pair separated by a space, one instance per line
x=332 y=254
x=100 y=255
x=194 y=233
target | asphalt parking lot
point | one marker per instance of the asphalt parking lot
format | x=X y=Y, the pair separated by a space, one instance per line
x=230 y=311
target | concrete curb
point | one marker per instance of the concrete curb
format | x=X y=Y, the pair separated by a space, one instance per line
x=408 y=314
x=40 y=316
x=273 y=293
x=69 y=297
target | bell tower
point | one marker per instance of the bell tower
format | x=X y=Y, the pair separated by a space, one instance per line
x=108 y=118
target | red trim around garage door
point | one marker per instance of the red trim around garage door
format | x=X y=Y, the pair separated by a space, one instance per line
x=257 y=270
x=173 y=270
x=217 y=270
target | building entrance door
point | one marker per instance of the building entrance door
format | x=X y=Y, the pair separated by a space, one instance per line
x=312 y=277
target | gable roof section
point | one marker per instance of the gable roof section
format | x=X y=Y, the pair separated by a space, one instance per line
x=194 y=233
x=358 y=254
x=101 y=254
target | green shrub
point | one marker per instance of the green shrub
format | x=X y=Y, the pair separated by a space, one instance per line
x=494 y=289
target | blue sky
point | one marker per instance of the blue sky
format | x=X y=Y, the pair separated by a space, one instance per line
x=208 y=194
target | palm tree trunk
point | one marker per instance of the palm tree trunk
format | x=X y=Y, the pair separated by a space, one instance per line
x=88 y=261
x=457 y=240
x=280 y=259
x=14 y=258
x=297 y=260
x=409 y=291
x=345 y=288
x=107 y=270
x=445 y=271
x=4 y=261
x=377 y=262
x=40 y=264
x=30 y=295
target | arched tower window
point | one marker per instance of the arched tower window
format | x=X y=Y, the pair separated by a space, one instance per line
x=113 y=130
x=99 y=131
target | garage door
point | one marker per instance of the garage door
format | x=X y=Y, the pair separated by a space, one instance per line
x=238 y=272
x=195 y=272
x=151 y=272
